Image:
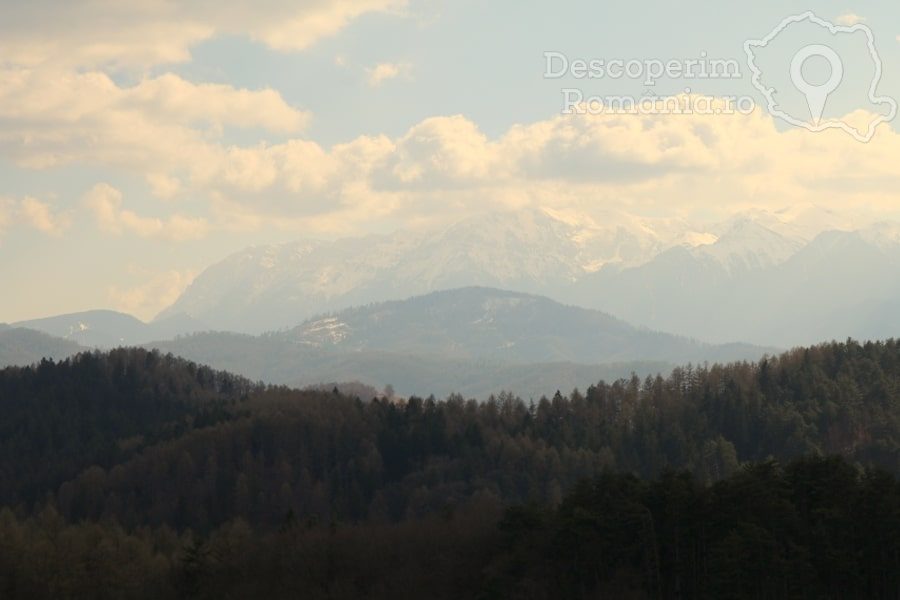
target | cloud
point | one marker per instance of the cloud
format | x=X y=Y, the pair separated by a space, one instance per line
x=144 y=33
x=105 y=202
x=33 y=213
x=850 y=19
x=39 y=215
x=53 y=118
x=387 y=71
x=671 y=164
x=163 y=186
x=154 y=292
x=446 y=167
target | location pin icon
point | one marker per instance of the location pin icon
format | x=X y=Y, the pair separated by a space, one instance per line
x=817 y=95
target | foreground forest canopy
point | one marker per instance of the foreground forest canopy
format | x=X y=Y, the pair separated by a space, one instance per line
x=817 y=528
x=152 y=475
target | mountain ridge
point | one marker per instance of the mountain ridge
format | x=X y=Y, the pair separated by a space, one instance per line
x=645 y=271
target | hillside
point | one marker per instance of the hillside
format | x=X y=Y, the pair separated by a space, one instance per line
x=153 y=472
x=509 y=326
x=475 y=341
x=134 y=408
x=277 y=360
x=110 y=329
x=19 y=346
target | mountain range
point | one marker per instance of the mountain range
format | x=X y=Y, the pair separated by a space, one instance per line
x=489 y=302
x=475 y=341
x=781 y=278
x=109 y=329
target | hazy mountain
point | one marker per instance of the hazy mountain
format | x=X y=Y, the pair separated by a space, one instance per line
x=109 y=329
x=752 y=277
x=20 y=347
x=509 y=326
x=267 y=288
x=472 y=340
x=275 y=359
x=839 y=285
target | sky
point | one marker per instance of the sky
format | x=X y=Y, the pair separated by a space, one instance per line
x=141 y=142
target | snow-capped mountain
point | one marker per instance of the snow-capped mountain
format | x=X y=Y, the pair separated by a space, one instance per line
x=737 y=279
x=533 y=251
x=747 y=245
x=828 y=288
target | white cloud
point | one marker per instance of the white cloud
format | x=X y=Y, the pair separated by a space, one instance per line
x=653 y=163
x=155 y=291
x=445 y=167
x=850 y=19
x=105 y=202
x=143 y=33
x=53 y=118
x=33 y=213
x=163 y=186
x=39 y=215
x=387 y=71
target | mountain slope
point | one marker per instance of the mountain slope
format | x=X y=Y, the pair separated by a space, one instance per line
x=110 y=329
x=268 y=288
x=279 y=361
x=839 y=285
x=761 y=277
x=20 y=347
x=488 y=323
x=475 y=341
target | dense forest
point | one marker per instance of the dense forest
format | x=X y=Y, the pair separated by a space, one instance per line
x=136 y=474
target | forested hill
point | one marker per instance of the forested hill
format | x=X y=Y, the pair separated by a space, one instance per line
x=134 y=433
x=132 y=440
x=20 y=346
x=58 y=418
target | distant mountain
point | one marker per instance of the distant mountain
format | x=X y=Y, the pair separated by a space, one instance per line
x=20 y=347
x=769 y=278
x=474 y=341
x=277 y=360
x=272 y=287
x=494 y=324
x=839 y=285
x=110 y=329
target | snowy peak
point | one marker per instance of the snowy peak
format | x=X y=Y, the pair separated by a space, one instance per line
x=267 y=288
x=542 y=251
x=884 y=235
x=749 y=245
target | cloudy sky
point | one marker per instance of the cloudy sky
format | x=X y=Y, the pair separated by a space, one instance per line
x=142 y=141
